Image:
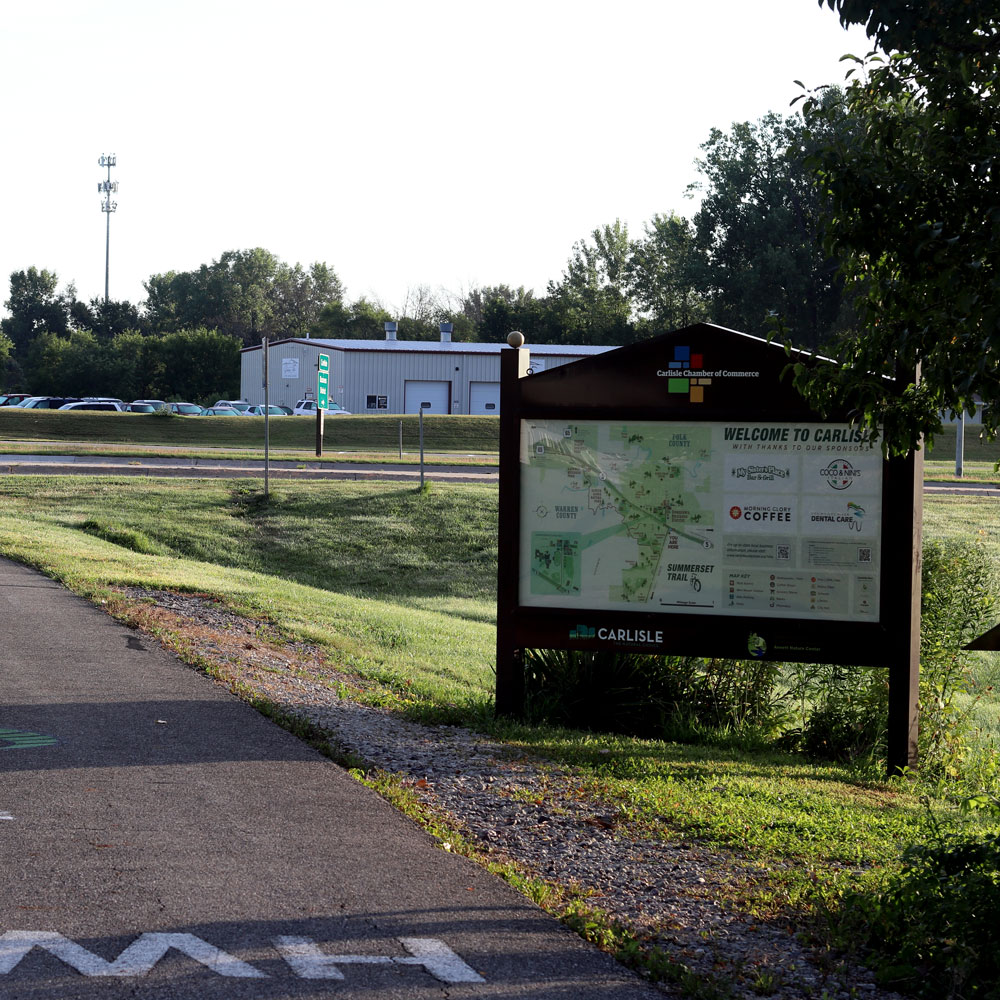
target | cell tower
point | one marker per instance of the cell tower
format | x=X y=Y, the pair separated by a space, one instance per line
x=107 y=188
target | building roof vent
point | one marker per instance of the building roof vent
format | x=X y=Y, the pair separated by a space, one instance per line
x=390 y=331
x=446 y=329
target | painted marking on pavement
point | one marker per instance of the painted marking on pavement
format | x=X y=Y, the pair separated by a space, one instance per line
x=18 y=739
x=301 y=954
x=308 y=962
x=4 y=815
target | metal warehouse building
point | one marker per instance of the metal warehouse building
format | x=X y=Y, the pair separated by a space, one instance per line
x=392 y=376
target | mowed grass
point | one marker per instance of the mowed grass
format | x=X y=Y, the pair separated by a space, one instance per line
x=399 y=587
x=980 y=457
x=453 y=432
x=398 y=584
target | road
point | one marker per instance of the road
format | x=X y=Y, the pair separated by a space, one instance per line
x=232 y=468
x=163 y=841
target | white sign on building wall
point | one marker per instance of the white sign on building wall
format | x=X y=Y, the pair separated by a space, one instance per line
x=289 y=368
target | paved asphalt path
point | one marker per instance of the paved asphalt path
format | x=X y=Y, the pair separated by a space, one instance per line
x=162 y=841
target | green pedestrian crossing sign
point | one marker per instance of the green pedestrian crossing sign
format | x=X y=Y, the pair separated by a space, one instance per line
x=323 y=381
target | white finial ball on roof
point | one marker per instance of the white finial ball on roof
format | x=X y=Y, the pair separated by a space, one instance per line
x=515 y=339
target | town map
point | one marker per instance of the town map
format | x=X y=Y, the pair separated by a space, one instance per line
x=700 y=518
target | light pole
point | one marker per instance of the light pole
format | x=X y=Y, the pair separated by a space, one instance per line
x=107 y=188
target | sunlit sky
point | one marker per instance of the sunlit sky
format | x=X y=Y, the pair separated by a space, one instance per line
x=440 y=143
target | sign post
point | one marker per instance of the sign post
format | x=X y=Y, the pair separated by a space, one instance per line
x=322 y=398
x=678 y=496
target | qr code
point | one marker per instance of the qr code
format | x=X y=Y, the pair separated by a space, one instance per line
x=864 y=555
x=784 y=551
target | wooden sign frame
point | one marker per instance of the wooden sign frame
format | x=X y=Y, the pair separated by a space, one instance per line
x=702 y=375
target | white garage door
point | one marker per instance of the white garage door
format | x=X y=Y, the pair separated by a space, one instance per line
x=431 y=397
x=484 y=397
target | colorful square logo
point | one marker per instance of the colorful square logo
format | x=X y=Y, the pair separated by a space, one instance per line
x=691 y=383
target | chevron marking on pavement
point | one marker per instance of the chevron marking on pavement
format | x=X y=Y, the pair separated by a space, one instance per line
x=302 y=955
x=308 y=962
x=18 y=739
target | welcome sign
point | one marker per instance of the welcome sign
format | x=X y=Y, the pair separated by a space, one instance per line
x=679 y=496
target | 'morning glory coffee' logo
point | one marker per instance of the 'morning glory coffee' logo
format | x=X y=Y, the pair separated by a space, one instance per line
x=840 y=474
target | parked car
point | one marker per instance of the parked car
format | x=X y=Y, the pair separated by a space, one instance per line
x=287 y=410
x=156 y=404
x=185 y=409
x=236 y=404
x=220 y=411
x=308 y=406
x=258 y=411
x=47 y=402
x=13 y=398
x=93 y=404
x=140 y=408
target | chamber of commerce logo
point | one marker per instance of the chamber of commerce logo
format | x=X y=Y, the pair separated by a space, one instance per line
x=840 y=474
x=691 y=377
x=582 y=632
x=756 y=645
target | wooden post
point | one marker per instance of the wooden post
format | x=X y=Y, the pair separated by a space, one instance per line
x=904 y=672
x=510 y=663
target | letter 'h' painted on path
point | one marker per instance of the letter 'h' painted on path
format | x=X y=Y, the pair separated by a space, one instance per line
x=302 y=954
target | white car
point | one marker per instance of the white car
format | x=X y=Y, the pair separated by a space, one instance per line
x=308 y=406
x=94 y=404
x=258 y=411
x=233 y=404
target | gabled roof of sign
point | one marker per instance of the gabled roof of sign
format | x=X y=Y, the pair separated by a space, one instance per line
x=437 y=347
x=704 y=371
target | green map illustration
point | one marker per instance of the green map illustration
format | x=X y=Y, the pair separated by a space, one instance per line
x=617 y=514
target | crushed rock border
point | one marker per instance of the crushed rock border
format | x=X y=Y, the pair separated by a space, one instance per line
x=524 y=809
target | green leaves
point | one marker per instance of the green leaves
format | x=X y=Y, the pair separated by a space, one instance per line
x=912 y=218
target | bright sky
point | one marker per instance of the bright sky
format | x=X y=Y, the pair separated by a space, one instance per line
x=448 y=143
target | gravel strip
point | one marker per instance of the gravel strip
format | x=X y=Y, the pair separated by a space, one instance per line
x=527 y=810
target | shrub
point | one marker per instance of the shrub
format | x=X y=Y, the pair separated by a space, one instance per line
x=663 y=697
x=933 y=927
x=958 y=602
x=842 y=711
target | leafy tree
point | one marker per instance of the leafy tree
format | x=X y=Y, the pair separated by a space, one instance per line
x=913 y=212
x=758 y=229
x=245 y=293
x=198 y=365
x=591 y=304
x=663 y=272
x=363 y=320
x=493 y=311
x=6 y=348
x=36 y=306
x=106 y=318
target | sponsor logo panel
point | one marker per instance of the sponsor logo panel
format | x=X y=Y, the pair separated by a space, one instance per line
x=759 y=514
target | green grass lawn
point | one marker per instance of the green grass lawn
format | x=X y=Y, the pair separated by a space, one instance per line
x=980 y=457
x=356 y=432
x=398 y=586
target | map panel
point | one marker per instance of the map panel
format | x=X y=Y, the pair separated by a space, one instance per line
x=780 y=520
